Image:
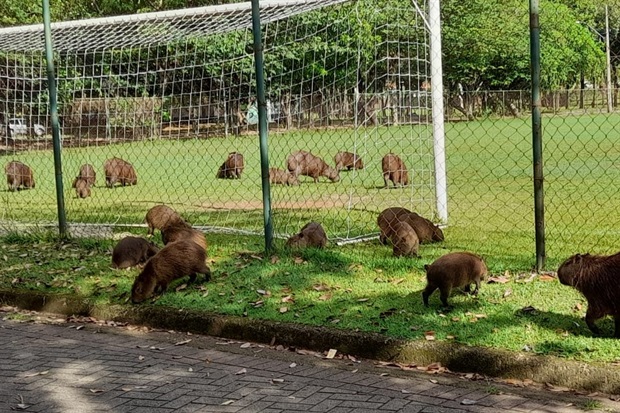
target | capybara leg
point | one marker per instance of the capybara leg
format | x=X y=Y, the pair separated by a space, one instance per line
x=150 y=232
x=467 y=288
x=192 y=278
x=444 y=294
x=383 y=239
x=590 y=319
x=427 y=292
x=475 y=292
x=385 y=180
x=207 y=272
x=617 y=333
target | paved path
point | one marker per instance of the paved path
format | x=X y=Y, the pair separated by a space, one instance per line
x=73 y=367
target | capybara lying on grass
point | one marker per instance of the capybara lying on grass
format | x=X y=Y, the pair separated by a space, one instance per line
x=183 y=231
x=132 y=251
x=597 y=277
x=279 y=176
x=425 y=229
x=405 y=242
x=175 y=260
x=348 y=160
x=88 y=173
x=394 y=169
x=311 y=235
x=453 y=270
x=304 y=163
x=161 y=216
x=118 y=170
x=82 y=188
x=232 y=167
x=19 y=176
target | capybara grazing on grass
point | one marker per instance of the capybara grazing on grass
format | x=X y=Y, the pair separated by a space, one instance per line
x=82 y=188
x=597 y=277
x=88 y=173
x=161 y=216
x=405 y=242
x=121 y=171
x=425 y=229
x=394 y=170
x=176 y=260
x=387 y=220
x=304 y=163
x=279 y=176
x=132 y=251
x=348 y=160
x=232 y=167
x=311 y=235
x=453 y=270
x=19 y=176
x=183 y=231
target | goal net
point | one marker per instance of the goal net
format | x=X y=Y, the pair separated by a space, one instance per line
x=174 y=93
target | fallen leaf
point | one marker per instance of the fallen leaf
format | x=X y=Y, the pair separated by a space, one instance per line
x=507 y=292
x=384 y=374
x=325 y=297
x=256 y=257
x=96 y=391
x=405 y=391
x=468 y=402
x=277 y=380
x=181 y=287
x=226 y=403
x=140 y=358
x=480 y=316
x=190 y=369
x=79 y=327
x=41 y=373
x=546 y=277
x=242 y=371
x=246 y=345
x=354 y=371
x=433 y=381
x=292 y=365
x=288 y=299
x=499 y=280
x=320 y=287
x=283 y=310
x=331 y=353
x=429 y=335
x=298 y=260
x=397 y=281
x=264 y=292
x=180 y=343
x=275 y=259
x=362 y=300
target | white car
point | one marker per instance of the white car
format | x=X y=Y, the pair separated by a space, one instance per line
x=18 y=126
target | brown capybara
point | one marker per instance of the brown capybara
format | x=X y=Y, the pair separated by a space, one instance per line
x=597 y=278
x=304 y=163
x=88 y=173
x=279 y=176
x=180 y=231
x=425 y=229
x=132 y=251
x=232 y=167
x=82 y=188
x=161 y=216
x=394 y=169
x=174 y=261
x=19 y=176
x=405 y=242
x=453 y=270
x=119 y=170
x=311 y=235
x=348 y=160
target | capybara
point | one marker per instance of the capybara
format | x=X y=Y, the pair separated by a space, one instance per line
x=311 y=235
x=405 y=242
x=279 y=176
x=180 y=231
x=453 y=270
x=597 y=278
x=348 y=160
x=161 y=216
x=19 y=176
x=425 y=229
x=82 y=188
x=121 y=171
x=394 y=169
x=131 y=251
x=304 y=163
x=88 y=172
x=232 y=167
x=175 y=260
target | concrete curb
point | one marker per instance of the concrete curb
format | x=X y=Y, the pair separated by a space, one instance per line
x=603 y=378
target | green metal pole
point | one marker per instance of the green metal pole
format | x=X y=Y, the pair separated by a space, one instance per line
x=262 y=124
x=539 y=201
x=51 y=84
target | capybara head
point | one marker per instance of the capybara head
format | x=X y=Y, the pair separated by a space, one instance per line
x=161 y=216
x=144 y=286
x=332 y=174
x=311 y=235
x=570 y=270
x=82 y=188
x=131 y=251
x=405 y=241
x=19 y=176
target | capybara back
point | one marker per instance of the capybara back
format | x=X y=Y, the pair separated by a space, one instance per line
x=183 y=231
x=19 y=176
x=305 y=163
x=279 y=176
x=132 y=251
x=88 y=173
x=120 y=171
x=394 y=169
x=348 y=160
x=232 y=167
x=453 y=270
x=161 y=216
x=311 y=235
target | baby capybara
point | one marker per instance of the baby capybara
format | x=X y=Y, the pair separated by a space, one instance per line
x=279 y=176
x=132 y=251
x=311 y=235
x=88 y=173
x=232 y=167
x=348 y=160
x=19 y=176
x=82 y=188
x=174 y=261
x=161 y=216
x=119 y=170
x=181 y=231
x=405 y=242
x=597 y=278
x=425 y=229
x=453 y=270
x=304 y=163
x=394 y=169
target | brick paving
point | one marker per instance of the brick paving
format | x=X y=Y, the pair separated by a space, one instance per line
x=62 y=368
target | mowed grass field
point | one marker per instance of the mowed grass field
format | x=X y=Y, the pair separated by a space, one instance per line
x=355 y=286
